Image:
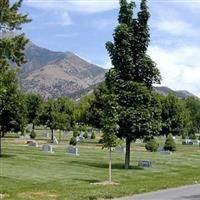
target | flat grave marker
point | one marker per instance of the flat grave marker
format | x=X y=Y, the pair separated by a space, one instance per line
x=145 y=163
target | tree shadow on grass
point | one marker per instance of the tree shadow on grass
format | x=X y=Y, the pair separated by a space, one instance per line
x=7 y=156
x=104 y=165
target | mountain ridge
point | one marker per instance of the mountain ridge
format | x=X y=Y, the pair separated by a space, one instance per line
x=55 y=73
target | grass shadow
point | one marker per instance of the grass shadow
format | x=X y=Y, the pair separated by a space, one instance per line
x=7 y=156
x=104 y=165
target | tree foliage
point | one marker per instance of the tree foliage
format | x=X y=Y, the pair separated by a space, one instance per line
x=33 y=103
x=175 y=116
x=133 y=74
x=12 y=109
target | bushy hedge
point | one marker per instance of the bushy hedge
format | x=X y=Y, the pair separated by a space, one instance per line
x=33 y=134
x=73 y=141
x=170 y=144
x=152 y=145
x=93 y=136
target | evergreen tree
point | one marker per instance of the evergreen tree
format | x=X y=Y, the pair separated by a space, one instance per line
x=133 y=74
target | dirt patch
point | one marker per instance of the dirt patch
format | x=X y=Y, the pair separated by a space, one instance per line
x=3 y=195
x=105 y=183
x=37 y=195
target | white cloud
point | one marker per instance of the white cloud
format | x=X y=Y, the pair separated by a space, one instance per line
x=176 y=27
x=90 y=6
x=62 y=19
x=179 y=67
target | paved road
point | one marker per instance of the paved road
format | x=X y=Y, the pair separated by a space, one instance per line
x=183 y=193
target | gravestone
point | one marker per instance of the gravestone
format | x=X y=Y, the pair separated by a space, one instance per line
x=165 y=152
x=72 y=150
x=120 y=149
x=32 y=143
x=195 y=142
x=47 y=148
x=21 y=137
x=66 y=133
x=46 y=135
x=144 y=163
x=27 y=137
x=80 y=138
x=55 y=141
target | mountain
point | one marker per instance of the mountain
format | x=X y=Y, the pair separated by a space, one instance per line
x=54 y=74
x=180 y=93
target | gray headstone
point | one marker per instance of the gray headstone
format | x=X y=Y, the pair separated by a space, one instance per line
x=80 y=138
x=72 y=150
x=165 y=152
x=120 y=149
x=66 y=133
x=27 y=137
x=46 y=135
x=144 y=163
x=21 y=137
x=47 y=148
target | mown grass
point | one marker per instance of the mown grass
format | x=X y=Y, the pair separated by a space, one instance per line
x=28 y=173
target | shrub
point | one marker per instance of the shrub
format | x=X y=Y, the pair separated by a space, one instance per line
x=101 y=141
x=73 y=141
x=147 y=139
x=85 y=135
x=33 y=134
x=75 y=133
x=170 y=144
x=199 y=137
x=93 y=136
x=152 y=145
x=192 y=137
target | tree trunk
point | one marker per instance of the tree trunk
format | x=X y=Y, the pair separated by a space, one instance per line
x=33 y=127
x=51 y=135
x=0 y=144
x=110 y=166
x=127 y=155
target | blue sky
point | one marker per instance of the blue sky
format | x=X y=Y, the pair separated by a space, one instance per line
x=83 y=27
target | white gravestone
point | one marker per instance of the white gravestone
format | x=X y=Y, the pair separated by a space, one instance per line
x=47 y=148
x=80 y=138
x=55 y=141
x=120 y=149
x=72 y=150
x=144 y=163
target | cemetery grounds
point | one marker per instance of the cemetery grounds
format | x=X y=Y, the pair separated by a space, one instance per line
x=29 y=173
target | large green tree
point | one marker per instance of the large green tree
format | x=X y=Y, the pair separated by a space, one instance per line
x=175 y=116
x=133 y=74
x=57 y=114
x=33 y=103
x=11 y=53
x=193 y=105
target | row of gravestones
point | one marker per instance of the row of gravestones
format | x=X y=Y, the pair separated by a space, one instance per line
x=191 y=142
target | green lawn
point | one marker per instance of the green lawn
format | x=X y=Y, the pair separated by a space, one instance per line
x=28 y=173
